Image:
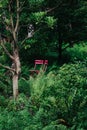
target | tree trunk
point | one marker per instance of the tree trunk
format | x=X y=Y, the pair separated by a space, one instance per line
x=15 y=86
x=60 y=47
x=16 y=65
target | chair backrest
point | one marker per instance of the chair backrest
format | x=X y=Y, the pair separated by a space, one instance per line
x=39 y=66
x=46 y=62
x=41 y=62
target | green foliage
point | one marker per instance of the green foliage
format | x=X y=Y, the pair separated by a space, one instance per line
x=51 y=22
x=5 y=83
x=55 y=127
x=77 y=53
x=3 y=3
x=67 y=87
x=56 y=101
x=24 y=86
x=38 y=16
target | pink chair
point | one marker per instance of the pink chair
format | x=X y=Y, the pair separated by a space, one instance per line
x=39 y=65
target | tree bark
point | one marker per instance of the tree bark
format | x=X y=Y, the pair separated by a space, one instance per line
x=15 y=86
x=16 y=65
x=13 y=27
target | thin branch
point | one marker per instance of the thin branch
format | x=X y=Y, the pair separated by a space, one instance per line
x=11 y=17
x=7 y=67
x=12 y=23
x=28 y=37
x=49 y=10
x=23 y=26
x=65 y=47
x=6 y=51
x=17 y=21
x=20 y=9
x=24 y=40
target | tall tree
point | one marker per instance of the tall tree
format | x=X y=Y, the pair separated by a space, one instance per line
x=12 y=18
x=11 y=27
x=17 y=28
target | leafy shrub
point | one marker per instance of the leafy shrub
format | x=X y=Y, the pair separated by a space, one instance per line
x=57 y=101
x=77 y=53
x=62 y=94
x=24 y=86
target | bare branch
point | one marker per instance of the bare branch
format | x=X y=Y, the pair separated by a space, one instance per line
x=12 y=23
x=7 y=67
x=20 y=9
x=66 y=47
x=6 y=51
x=11 y=17
x=28 y=37
x=17 y=21
x=49 y=10
x=24 y=40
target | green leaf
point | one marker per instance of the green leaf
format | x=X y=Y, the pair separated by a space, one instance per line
x=51 y=21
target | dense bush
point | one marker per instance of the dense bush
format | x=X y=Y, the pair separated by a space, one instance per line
x=57 y=101
x=77 y=53
x=62 y=93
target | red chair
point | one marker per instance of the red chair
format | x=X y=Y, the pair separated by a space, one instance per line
x=39 y=65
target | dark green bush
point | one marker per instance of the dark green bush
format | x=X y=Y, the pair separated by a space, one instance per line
x=57 y=101
x=62 y=93
x=76 y=53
